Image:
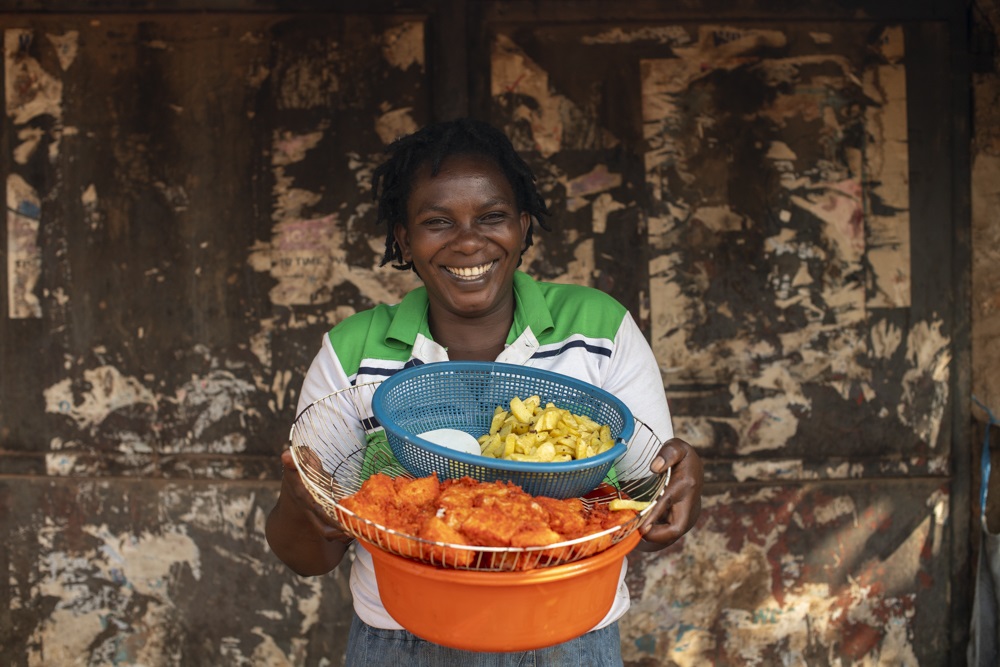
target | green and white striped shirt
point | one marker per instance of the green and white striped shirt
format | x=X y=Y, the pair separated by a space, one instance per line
x=570 y=329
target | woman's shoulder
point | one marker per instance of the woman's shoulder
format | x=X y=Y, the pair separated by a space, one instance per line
x=362 y=335
x=571 y=295
x=361 y=322
x=578 y=310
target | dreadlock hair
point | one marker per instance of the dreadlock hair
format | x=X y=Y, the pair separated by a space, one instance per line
x=391 y=181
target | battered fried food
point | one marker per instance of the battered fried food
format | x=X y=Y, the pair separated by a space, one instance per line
x=470 y=513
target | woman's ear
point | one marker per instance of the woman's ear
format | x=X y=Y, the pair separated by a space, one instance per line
x=525 y=226
x=403 y=240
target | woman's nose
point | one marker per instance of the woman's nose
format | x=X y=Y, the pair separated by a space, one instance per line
x=468 y=237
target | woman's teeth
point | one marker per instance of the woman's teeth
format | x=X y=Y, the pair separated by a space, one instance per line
x=470 y=272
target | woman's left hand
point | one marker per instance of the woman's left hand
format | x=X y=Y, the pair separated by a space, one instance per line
x=677 y=510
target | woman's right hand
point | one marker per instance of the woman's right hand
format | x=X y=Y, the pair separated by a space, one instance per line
x=299 y=530
x=294 y=488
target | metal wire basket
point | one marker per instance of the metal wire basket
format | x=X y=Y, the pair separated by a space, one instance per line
x=336 y=447
x=463 y=394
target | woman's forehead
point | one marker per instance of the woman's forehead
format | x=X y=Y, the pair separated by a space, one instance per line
x=461 y=164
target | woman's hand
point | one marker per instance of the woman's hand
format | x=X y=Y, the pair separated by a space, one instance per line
x=299 y=530
x=293 y=488
x=677 y=510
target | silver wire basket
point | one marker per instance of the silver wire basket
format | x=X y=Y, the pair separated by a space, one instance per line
x=336 y=446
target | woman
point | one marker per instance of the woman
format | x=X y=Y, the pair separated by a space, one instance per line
x=459 y=206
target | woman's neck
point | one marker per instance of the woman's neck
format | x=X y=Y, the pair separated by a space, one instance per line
x=478 y=339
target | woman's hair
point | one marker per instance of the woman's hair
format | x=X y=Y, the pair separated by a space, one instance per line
x=431 y=145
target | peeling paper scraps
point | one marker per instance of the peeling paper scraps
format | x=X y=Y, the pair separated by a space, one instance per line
x=303 y=251
x=887 y=189
x=66 y=47
x=887 y=162
x=30 y=138
x=289 y=148
x=108 y=390
x=717 y=47
x=555 y=121
x=306 y=254
x=603 y=206
x=24 y=256
x=839 y=208
x=105 y=584
x=310 y=81
x=394 y=124
x=598 y=179
x=768 y=470
x=885 y=339
x=738 y=573
x=766 y=424
x=304 y=257
x=30 y=90
x=835 y=508
x=925 y=385
x=403 y=45
x=817 y=288
x=214 y=511
x=209 y=400
x=891 y=44
x=307 y=259
x=697 y=431
x=671 y=35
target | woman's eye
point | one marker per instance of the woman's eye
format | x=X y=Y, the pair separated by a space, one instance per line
x=494 y=217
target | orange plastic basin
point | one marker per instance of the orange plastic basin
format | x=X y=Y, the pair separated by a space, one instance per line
x=499 y=611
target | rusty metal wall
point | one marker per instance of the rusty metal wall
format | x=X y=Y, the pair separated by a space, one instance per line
x=187 y=215
x=755 y=208
x=188 y=212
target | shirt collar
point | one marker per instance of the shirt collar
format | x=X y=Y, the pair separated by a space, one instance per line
x=530 y=309
x=409 y=320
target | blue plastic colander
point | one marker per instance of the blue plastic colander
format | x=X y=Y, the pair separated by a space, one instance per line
x=464 y=394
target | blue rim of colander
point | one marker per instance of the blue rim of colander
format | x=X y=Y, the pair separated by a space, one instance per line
x=619 y=449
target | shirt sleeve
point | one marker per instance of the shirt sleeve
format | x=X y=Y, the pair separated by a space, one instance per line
x=634 y=377
x=333 y=415
x=325 y=376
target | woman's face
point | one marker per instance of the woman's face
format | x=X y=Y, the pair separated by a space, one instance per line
x=464 y=235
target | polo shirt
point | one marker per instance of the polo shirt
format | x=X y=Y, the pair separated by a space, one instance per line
x=570 y=329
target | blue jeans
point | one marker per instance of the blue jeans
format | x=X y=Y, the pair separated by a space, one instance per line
x=398 y=648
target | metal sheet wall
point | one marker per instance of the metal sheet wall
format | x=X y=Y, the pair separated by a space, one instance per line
x=753 y=205
x=188 y=212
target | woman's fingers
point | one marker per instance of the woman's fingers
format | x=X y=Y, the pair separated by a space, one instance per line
x=291 y=482
x=678 y=509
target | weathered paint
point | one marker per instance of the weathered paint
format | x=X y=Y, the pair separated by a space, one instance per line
x=886 y=163
x=189 y=278
x=810 y=253
x=925 y=383
x=120 y=592
x=779 y=278
x=985 y=236
x=555 y=121
x=107 y=390
x=24 y=257
x=231 y=224
x=783 y=575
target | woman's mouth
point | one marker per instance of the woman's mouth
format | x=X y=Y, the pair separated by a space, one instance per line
x=470 y=272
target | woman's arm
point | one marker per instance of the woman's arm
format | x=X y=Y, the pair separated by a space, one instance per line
x=298 y=529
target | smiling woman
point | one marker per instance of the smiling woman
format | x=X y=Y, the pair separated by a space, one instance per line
x=464 y=236
x=459 y=206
